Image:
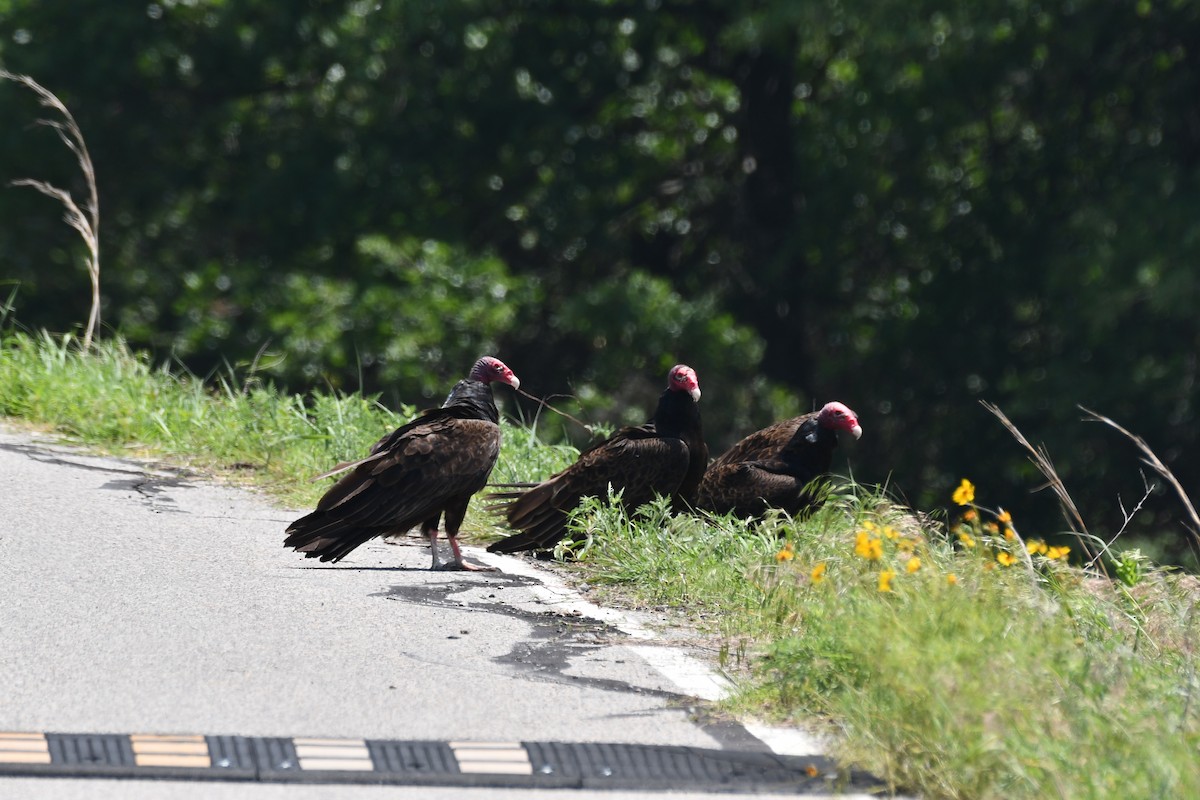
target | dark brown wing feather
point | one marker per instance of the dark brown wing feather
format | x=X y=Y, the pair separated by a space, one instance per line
x=769 y=442
x=689 y=487
x=431 y=465
x=770 y=468
x=635 y=461
x=749 y=488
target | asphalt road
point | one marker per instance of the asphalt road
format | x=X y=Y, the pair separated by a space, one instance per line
x=139 y=599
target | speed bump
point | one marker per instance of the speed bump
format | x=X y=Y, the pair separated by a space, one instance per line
x=425 y=763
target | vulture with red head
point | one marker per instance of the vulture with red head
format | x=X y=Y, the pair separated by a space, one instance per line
x=666 y=456
x=773 y=467
x=414 y=475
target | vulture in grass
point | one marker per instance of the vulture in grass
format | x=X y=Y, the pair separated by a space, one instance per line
x=413 y=476
x=772 y=468
x=666 y=456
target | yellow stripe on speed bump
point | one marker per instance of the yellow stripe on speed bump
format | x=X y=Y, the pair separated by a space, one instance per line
x=157 y=750
x=335 y=754
x=24 y=748
x=494 y=758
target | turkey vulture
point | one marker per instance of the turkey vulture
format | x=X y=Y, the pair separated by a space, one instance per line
x=660 y=457
x=772 y=468
x=424 y=469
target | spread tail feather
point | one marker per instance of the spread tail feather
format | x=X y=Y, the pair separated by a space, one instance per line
x=545 y=535
x=325 y=541
x=541 y=524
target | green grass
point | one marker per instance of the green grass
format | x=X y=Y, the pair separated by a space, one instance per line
x=965 y=678
x=115 y=399
x=986 y=671
x=234 y=425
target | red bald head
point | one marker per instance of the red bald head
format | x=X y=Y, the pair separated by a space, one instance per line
x=682 y=378
x=488 y=369
x=840 y=418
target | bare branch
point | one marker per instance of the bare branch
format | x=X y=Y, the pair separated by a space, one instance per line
x=1041 y=460
x=1129 y=515
x=1152 y=461
x=87 y=225
x=543 y=404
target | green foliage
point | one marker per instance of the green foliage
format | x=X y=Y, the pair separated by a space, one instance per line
x=426 y=311
x=906 y=206
x=115 y=398
x=949 y=670
x=639 y=324
x=985 y=689
x=672 y=560
x=525 y=458
x=1130 y=567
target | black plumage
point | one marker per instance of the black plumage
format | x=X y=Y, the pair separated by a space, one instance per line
x=663 y=457
x=423 y=470
x=776 y=466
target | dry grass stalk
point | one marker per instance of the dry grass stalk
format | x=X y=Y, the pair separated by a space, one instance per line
x=1152 y=461
x=1041 y=460
x=87 y=224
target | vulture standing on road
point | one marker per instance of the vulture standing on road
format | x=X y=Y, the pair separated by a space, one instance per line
x=772 y=468
x=666 y=456
x=427 y=468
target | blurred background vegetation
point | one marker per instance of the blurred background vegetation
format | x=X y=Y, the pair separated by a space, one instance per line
x=907 y=206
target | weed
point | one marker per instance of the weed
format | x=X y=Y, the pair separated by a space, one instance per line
x=86 y=220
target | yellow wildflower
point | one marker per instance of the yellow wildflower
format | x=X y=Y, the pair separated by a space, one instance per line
x=965 y=493
x=1053 y=553
x=868 y=547
x=913 y=565
x=969 y=515
x=784 y=555
x=991 y=527
x=1004 y=516
x=890 y=532
x=885 y=580
x=1005 y=559
x=868 y=525
x=818 y=573
x=906 y=545
x=1009 y=534
x=1035 y=547
x=966 y=539
x=952 y=579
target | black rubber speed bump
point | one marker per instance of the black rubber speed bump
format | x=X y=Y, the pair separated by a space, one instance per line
x=629 y=766
x=98 y=754
x=457 y=763
x=416 y=760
